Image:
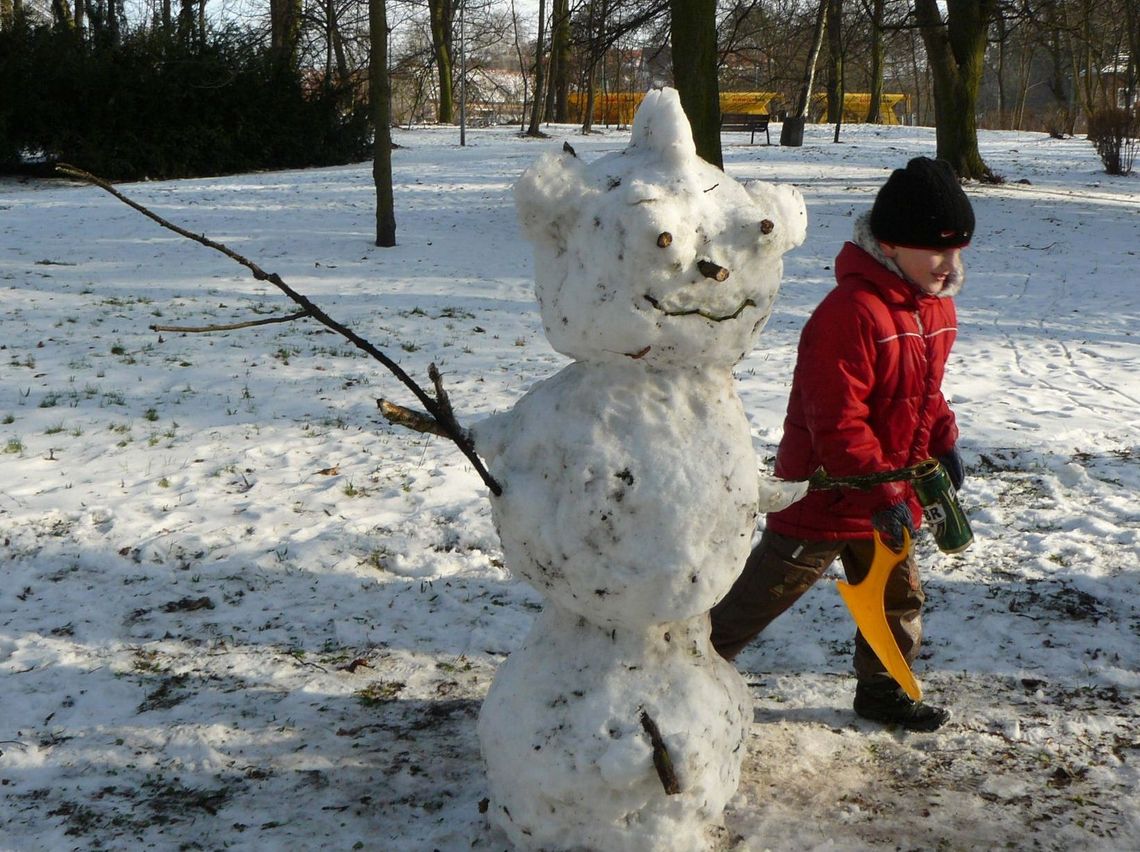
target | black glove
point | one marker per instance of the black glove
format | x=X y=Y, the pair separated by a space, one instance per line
x=890 y=523
x=952 y=461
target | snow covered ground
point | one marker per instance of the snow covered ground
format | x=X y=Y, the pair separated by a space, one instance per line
x=240 y=610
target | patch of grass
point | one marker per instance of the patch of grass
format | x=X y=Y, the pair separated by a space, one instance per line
x=377 y=559
x=380 y=692
x=456 y=313
x=14 y=446
x=351 y=490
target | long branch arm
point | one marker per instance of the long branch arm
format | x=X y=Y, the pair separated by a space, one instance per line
x=439 y=408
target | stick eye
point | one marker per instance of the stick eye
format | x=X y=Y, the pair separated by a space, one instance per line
x=664 y=239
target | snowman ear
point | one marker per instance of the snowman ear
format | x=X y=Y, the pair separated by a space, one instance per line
x=786 y=205
x=549 y=194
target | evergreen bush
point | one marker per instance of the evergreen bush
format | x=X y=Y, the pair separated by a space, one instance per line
x=154 y=106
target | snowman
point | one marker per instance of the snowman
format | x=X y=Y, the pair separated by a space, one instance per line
x=630 y=493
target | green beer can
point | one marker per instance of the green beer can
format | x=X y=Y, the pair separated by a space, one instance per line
x=941 y=509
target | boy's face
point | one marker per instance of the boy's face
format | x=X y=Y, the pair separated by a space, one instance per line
x=930 y=270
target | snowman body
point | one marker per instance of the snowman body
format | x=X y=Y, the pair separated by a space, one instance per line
x=586 y=496
x=630 y=491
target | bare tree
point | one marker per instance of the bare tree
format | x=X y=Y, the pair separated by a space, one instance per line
x=336 y=59
x=442 y=16
x=559 y=88
x=515 y=28
x=835 y=73
x=597 y=11
x=792 y=131
x=693 y=30
x=876 y=11
x=380 y=89
x=284 y=29
x=539 y=73
x=62 y=15
x=955 y=49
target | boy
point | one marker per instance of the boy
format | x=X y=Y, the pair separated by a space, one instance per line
x=866 y=397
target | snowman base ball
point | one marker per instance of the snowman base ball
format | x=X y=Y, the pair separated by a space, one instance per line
x=569 y=761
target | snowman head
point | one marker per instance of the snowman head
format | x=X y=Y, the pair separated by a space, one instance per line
x=652 y=253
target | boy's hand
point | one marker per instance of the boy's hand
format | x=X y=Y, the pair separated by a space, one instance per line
x=952 y=461
x=890 y=523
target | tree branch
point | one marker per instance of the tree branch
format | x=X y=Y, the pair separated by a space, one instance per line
x=417 y=421
x=820 y=481
x=202 y=329
x=439 y=409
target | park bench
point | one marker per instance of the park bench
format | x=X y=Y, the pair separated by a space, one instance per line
x=749 y=122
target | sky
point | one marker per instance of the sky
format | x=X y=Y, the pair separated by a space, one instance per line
x=242 y=610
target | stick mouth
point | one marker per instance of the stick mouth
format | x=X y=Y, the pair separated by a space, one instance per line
x=700 y=312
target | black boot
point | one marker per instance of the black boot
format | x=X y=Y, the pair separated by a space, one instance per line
x=884 y=701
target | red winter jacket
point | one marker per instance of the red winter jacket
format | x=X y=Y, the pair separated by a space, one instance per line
x=866 y=396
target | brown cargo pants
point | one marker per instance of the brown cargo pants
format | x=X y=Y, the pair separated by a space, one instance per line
x=780 y=569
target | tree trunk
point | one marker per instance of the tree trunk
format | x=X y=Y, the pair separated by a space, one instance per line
x=539 y=75
x=285 y=30
x=804 y=99
x=522 y=61
x=380 y=90
x=186 y=25
x=61 y=14
x=330 y=15
x=342 y=72
x=560 y=60
x=441 y=13
x=1002 y=40
x=955 y=50
x=834 y=29
x=1132 y=22
x=693 y=30
x=875 y=107
x=596 y=27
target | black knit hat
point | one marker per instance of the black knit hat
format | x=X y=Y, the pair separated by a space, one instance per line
x=923 y=206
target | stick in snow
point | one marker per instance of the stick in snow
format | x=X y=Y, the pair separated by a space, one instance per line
x=661 y=760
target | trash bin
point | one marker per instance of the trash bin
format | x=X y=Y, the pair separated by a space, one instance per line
x=792 y=133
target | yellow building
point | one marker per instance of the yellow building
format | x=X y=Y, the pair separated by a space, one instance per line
x=856 y=104
x=619 y=107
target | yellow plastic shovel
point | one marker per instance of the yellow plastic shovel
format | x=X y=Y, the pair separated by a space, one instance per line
x=865 y=601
